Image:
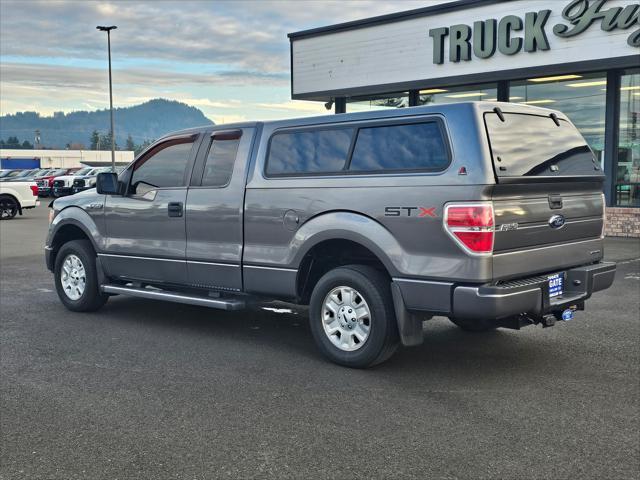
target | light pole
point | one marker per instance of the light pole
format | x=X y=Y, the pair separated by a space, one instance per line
x=113 y=140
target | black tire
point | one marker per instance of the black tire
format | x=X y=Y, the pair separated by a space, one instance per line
x=8 y=207
x=92 y=298
x=475 y=326
x=374 y=287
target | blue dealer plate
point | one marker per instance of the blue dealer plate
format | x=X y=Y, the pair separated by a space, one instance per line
x=556 y=282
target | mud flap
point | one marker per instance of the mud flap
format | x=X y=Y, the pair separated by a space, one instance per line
x=409 y=325
x=102 y=278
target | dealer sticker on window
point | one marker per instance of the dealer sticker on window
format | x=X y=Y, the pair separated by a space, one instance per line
x=555 y=285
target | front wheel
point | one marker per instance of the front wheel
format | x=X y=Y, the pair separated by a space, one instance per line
x=8 y=207
x=76 y=277
x=352 y=317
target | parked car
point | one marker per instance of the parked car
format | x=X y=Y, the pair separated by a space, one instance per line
x=63 y=185
x=30 y=176
x=80 y=184
x=488 y=213
x=18 y=174
x=45 y=182
x=8 y=173
x=16 y=197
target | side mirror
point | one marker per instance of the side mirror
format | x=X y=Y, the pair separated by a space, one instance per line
x=107 y=183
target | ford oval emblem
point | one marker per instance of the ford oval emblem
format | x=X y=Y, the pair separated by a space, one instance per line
x=556 y=221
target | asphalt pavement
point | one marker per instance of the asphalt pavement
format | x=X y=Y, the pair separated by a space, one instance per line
x=145 y=389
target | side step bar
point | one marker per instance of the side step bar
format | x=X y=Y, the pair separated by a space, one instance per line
x=219 y=303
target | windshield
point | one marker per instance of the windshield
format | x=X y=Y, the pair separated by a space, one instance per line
x=526 y=145
x=82 y=171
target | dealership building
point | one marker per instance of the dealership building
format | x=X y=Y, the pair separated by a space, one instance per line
x=28 y=158
x=581 y=57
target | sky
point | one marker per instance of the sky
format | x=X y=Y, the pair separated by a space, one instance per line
x=228 y=58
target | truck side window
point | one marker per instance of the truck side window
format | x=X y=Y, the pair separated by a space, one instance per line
x=221 y=158
x=164 y=166
x=412 y=146
x=317 y=151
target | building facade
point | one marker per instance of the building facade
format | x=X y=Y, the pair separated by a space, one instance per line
x=13 y=158
x=581 y=57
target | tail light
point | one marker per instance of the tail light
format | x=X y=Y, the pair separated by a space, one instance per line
x=471 y=226
x=34 y=190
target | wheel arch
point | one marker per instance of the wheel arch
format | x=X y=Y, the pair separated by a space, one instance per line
x=72 y=223
x=340 y=238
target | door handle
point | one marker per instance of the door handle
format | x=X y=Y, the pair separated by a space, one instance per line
x=555 y=202
x=175 y=209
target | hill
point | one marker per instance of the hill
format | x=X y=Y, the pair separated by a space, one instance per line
x=144 y=122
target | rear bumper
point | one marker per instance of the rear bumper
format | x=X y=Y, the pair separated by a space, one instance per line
x=524 y=296
x=531 y=296
x=30 y=202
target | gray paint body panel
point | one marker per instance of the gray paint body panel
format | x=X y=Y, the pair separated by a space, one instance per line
x=253 y=234
x=214 y=223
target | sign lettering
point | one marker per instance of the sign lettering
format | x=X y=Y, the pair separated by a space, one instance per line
x=511 y=34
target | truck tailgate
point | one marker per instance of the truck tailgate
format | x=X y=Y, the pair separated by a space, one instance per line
x=542 y=228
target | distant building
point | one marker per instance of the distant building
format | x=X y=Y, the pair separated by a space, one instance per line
x=13 y=158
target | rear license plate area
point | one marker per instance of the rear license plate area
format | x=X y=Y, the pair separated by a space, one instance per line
x=556 y=284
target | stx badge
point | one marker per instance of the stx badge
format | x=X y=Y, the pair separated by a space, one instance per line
x=410 y=212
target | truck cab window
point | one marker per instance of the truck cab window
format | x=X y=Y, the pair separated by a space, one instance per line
x=221 y=158
x=162 y=167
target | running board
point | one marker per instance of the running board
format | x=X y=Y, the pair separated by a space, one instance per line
x=219 y=303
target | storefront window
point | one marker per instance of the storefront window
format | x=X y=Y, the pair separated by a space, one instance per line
x=378 y=102
x=628 y=170
x=582 y=97
x=468 y=93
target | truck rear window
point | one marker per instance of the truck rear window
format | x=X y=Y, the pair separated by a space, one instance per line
x=413 y=146
x=525 y=145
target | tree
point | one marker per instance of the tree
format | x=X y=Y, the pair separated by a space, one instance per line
x=142 y=146
x=12 y=142
x=105 y=142
x=130 y=145
x=27 y=145
x=95 y=140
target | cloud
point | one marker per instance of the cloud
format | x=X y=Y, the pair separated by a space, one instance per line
x=52 y=58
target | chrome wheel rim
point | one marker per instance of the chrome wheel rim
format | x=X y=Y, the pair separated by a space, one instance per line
x=73 y=277
x=346 y=318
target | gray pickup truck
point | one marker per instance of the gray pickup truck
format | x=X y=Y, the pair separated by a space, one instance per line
x=491 y=214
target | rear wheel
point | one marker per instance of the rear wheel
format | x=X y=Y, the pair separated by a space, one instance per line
x=476 y=326
x=352 y=317
x=8 y=207
x=76 y=277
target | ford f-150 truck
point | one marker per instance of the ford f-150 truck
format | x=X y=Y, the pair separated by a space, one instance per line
x=491 y=214
x=16 y=197
x=63 y=185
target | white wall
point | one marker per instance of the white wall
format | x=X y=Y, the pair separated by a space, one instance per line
x=403 y=51
x=68 y=158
